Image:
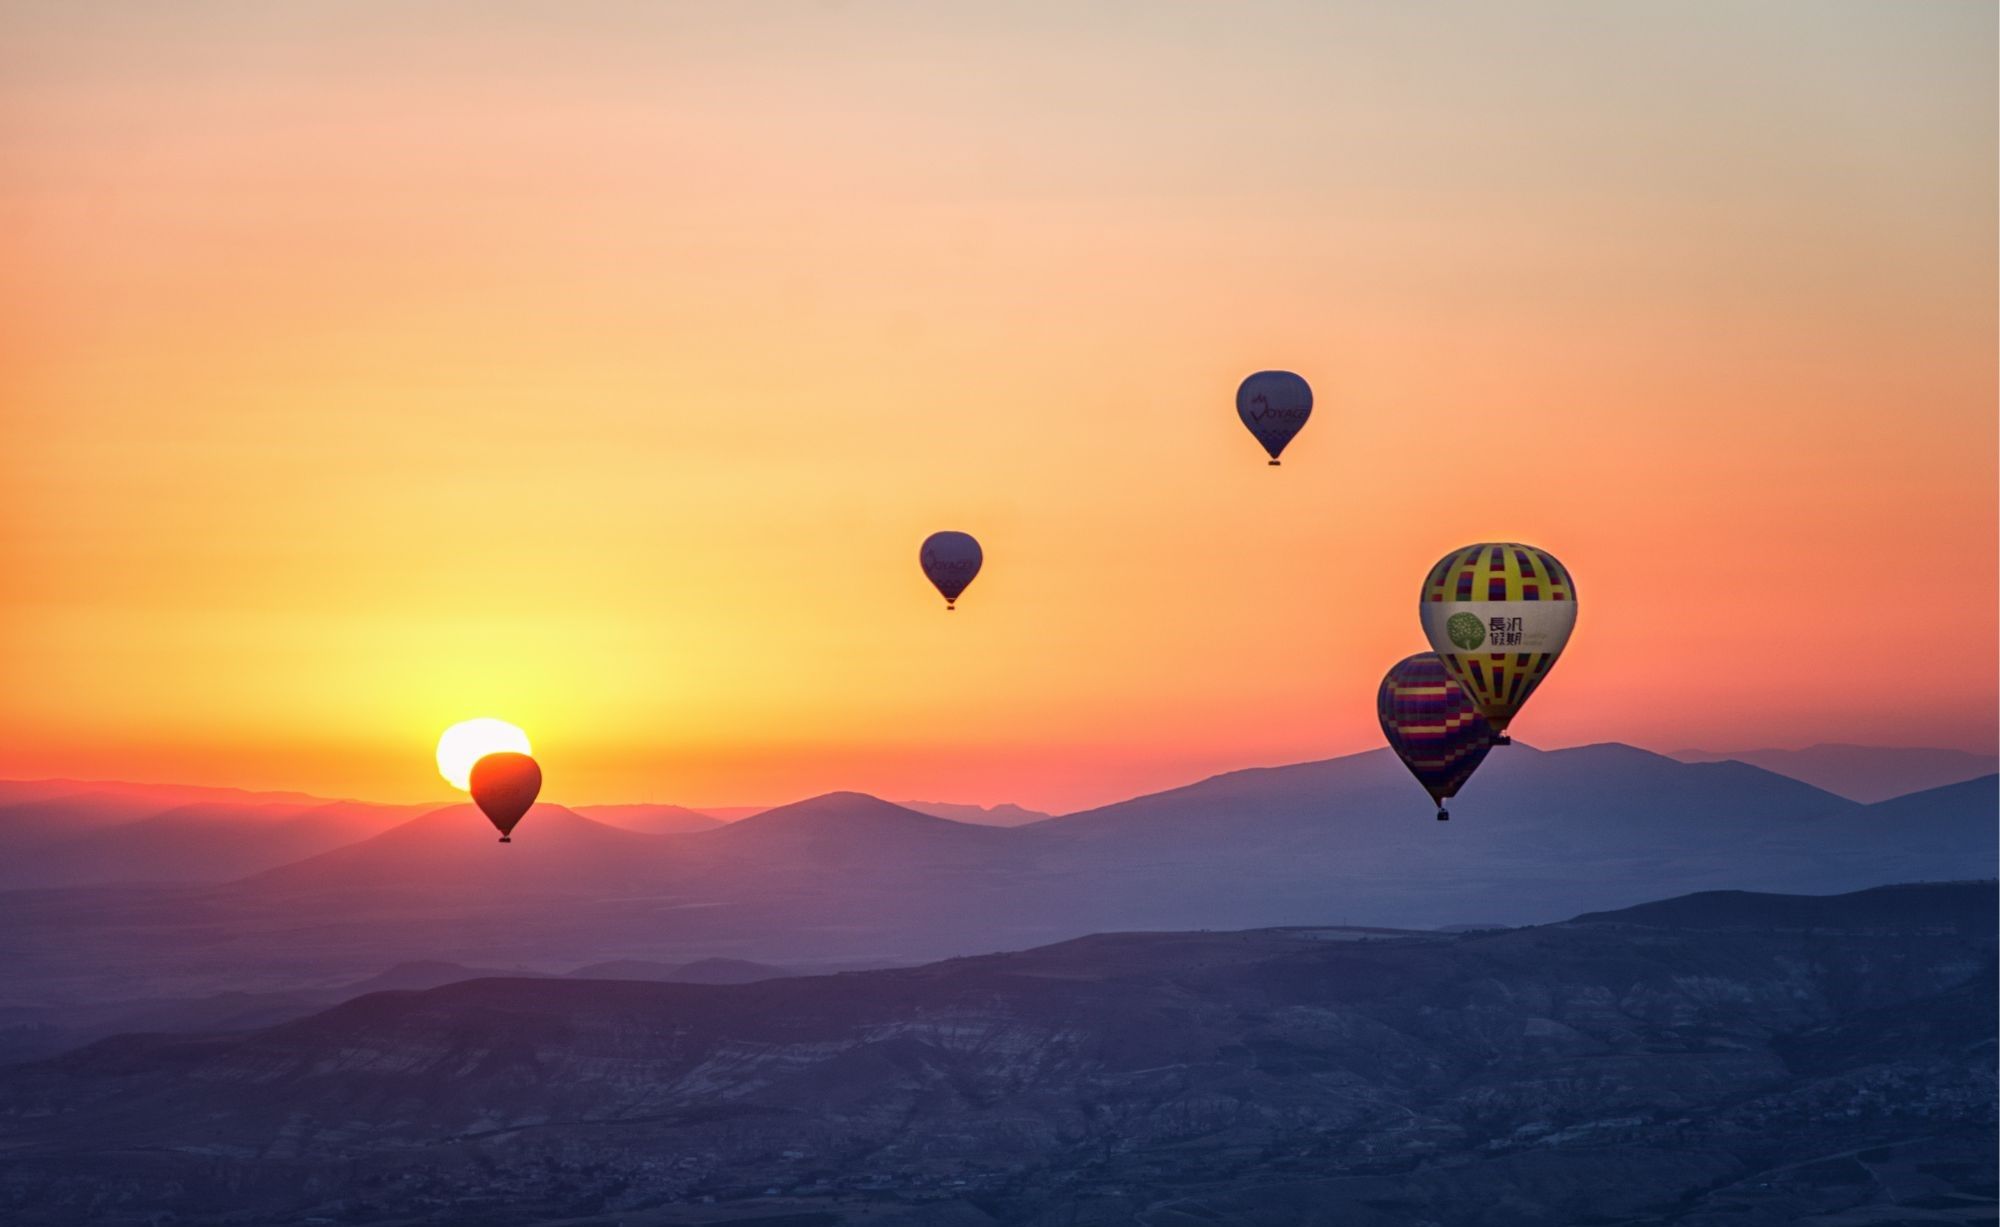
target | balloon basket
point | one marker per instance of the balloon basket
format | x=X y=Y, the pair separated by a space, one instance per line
x=1503 y=740
x=506 y=839
x=1444 y=815
x=1272 y=463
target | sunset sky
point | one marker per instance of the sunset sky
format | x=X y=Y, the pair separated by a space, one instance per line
x=600 y=366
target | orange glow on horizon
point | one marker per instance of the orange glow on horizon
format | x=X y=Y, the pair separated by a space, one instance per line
x=679 y=329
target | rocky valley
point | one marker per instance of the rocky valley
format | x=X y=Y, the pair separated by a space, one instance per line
x=1721 y=1058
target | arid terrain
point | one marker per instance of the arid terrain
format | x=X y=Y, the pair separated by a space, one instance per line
x=1725 y=1058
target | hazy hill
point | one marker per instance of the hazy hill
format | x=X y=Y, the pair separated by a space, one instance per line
x=1964 y=908
x=454 y=850
x=33 y=1032
x=1647 y=1067
x=420 y=974
x=31 y=818
x=846 y=877
x=29 y=1032
x=701 y=971
x=1936 y=834
x=1611 y=789
x=153 y=796
x=732 y=813
x=1354 y=837
x=1861 y=773
x=851 y=830
x=1006 y=815
x=202 y=843
x=651 y=819
x=62 y=833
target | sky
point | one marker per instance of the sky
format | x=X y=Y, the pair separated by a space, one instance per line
x=600 y=366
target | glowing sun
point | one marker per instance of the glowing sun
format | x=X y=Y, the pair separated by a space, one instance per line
x=468 y=741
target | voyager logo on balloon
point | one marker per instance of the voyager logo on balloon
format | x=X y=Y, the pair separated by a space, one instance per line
x=1274 y=405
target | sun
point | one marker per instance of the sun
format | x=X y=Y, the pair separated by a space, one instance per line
x=468 y=741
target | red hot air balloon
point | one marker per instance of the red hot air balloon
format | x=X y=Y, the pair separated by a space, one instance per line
x=505 y=785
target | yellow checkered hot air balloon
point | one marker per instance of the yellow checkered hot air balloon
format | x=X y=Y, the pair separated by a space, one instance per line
x=1498 y=615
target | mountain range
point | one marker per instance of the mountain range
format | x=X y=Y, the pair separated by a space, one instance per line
x=1861 y=773
x=847 y=877
x=1003 y=815
x=82 y=833
x=71 y=833
x=1725 y=1058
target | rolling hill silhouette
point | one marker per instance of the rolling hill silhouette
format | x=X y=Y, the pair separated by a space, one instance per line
x=701 y=971
x=1004 y=815
x=651 y=819
x=454 y=850
x=846 y=877
x=1961 y=908
x=143 y=833
x=1861 y=773
x=850 y=830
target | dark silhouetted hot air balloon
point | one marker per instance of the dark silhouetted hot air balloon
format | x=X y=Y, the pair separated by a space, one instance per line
x=1498 y=614
x=1274 y=404
x=505 y=785
x=951 y=560
x=1432 y=725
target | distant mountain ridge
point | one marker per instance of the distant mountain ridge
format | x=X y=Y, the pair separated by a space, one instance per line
x=651 y=819
x=700 y=971
x=834 y=823
x=1004 y=815
x=77 y=832
x=1861 y=773
x=434 y=852
x=1960 y=907
x=846 y=878
x=106 y=833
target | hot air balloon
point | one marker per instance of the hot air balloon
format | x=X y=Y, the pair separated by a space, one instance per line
x=505 y=785
x=1274 y=404
x=950 y=559
x=1498 y=615
x=1432 y=725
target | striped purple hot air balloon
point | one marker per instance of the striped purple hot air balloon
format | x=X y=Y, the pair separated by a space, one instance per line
x=1432 y=725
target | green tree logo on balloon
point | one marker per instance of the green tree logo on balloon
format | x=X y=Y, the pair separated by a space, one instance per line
x=1465 y=631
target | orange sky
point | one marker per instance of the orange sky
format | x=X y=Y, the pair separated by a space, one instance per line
x=600 y=367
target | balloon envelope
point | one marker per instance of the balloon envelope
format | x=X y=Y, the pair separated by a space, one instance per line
x=505 y=785
x=951 y=560
x=1498 y=615
x=1274 y=404
x=1431 y=724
